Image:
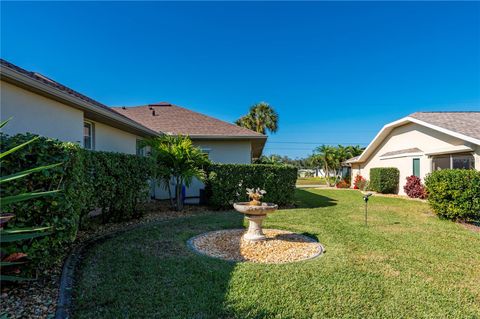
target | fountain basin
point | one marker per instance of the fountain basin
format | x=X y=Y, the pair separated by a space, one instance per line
x=246 y=208
x=255 y=216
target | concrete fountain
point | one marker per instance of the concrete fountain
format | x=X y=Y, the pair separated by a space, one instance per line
x=255 y=212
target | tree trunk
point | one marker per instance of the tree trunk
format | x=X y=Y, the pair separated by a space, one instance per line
x=178 y=191
x=170 y=197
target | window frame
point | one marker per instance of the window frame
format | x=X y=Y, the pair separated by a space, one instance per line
x=451 y=157
x=92 y=135
x=413 y=166
x=140 y=151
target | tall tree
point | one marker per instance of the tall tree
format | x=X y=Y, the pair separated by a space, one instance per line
x=260 y=118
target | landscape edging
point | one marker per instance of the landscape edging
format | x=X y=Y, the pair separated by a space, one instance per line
x=69 y=269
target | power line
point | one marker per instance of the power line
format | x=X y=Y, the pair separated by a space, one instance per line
x=319 y=143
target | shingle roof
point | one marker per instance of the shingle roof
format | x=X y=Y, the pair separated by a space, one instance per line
x=173 y=119
x=466 y=123
x=404 y=151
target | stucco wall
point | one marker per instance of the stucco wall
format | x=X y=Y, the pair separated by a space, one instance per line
x=111 y=139
x=233 y=152
x=404 y=137
x=39 y=115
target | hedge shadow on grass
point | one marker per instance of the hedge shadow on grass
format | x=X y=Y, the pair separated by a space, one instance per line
x=307 y=199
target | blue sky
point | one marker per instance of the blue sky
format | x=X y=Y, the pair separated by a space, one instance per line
x=336 y=72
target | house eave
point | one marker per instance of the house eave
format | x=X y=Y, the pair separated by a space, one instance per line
x=91 y=111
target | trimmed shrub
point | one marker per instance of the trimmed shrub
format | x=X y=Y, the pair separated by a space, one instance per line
x=454 y=193
x=60 y=211
x=227 y=183
x=414 y=188
x=116 y=183
x=384 y=180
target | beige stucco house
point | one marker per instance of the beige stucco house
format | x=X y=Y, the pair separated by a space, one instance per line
x=423 y=142
x=40 y=105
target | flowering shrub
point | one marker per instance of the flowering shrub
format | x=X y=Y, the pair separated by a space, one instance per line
x=414 y=188
x=359 y=182
x=343 y=184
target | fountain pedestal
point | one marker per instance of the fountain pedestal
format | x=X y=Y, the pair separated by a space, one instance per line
x=255 y=216
x=255 y=232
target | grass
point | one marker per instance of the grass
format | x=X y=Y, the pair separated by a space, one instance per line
x=406 y=264
x=311 y=181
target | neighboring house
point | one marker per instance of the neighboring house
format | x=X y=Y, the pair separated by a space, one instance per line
x=223 y=142
x=421 y=143
x=45 y=107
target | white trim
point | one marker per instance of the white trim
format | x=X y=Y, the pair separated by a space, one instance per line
x=450 y=150
x=401 y=155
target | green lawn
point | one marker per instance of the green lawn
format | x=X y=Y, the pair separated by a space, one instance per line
x=406 y=264
x=311 y=181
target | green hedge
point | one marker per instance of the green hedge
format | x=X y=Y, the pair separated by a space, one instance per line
x=115 y=182
x=62 y=211
x=454 y=193
x=384 y=180
x=227 y=183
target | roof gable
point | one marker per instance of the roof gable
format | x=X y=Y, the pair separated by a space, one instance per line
x=462 y=125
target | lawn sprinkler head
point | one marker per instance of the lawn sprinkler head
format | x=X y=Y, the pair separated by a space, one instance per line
x=366 y=196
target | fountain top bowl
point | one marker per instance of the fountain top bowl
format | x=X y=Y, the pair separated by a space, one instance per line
x=246 y=208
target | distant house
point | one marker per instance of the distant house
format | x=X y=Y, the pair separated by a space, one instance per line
x=45 y=107
x=421 y=143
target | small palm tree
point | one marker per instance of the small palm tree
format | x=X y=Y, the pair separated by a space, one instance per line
x=177 y=158
x=260 y=118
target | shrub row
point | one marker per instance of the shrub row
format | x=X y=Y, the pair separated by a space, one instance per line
x=226 y=183
x=62 y=211
x=115 y=182
x=454 y=193
x=384 y=180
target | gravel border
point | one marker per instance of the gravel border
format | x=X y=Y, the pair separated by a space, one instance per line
x=191 y=246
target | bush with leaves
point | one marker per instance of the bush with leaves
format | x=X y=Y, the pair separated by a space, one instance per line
x=414 y=188
x=454 y=193
x=227 y=183
x=60 y=211
x=177 y=158
x=360 y=183
x=384 y=180
x=117 y=183
x=9 y=236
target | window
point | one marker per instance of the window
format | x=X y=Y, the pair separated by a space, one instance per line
x=206 y=151
x=88 y=141
x=141 y=151
x=462 y=161
x=416 y=167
